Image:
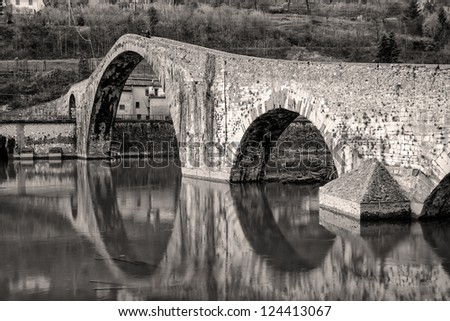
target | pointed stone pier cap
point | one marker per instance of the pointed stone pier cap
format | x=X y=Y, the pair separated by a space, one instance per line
x=368 y=192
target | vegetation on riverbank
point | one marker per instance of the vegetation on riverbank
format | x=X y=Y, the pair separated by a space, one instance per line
x=339 y=32
x=24 y=89
x=330 y=32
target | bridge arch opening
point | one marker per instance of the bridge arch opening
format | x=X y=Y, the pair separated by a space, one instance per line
x=131 y=112
x=283 y=145
x=437 y=204
x=72 y=107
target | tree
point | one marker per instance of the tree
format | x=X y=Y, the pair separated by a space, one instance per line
x=442 y=16
x=388 y=51
x=153 y=19
x=413 y=18
x=83 y=68
x=413 y=11
x=382 y=52
x=393 y=48
x=429 y=7
x=443 y=34
x=308 y=9
x=431 y=26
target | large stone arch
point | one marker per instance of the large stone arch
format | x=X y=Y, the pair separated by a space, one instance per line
x=105 y=85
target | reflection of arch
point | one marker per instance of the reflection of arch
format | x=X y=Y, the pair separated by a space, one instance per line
x=257 y=141
x=3 y=149
x=266 y=238
x=91 y=210
x=72 y=106
x=99 y=216
x=437 y=235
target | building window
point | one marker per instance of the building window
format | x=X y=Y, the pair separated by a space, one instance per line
x=138 y=116
x=138 y=105
x=17 y=2
x=122 y=107
x=147 y=92
x=156 y=92
x=30 y=2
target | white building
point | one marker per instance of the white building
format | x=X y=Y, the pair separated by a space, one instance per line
x=143 y=98
x=27 y=6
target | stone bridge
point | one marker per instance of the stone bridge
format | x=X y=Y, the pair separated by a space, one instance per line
x=227 y=109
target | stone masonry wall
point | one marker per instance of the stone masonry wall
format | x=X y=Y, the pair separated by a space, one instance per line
x=140 y=136
x=55 y=109
x=41 y=137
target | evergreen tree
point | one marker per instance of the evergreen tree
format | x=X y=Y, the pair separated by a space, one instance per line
x=394 y=52
x=429 y=7
x=413 y=11
x=382 y=52
x=413 y=18
x=153 y=19
x=442 y=16
x=443 y=34
x=83 y=68
x=388 y=51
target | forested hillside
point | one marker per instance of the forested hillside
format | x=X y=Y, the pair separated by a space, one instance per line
x=336 y=31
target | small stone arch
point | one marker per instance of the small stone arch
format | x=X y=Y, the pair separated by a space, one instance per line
x=72 y=107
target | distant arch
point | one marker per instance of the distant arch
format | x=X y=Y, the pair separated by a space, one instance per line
x=72 y=107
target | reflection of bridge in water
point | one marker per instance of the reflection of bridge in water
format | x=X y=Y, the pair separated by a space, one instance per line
x=238 y=242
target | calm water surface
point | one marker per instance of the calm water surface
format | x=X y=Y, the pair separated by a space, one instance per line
x=75 y=230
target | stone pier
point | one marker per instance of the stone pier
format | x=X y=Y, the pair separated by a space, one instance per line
x=366 y=193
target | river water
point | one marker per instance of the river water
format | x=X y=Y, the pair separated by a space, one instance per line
x=80 y=230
